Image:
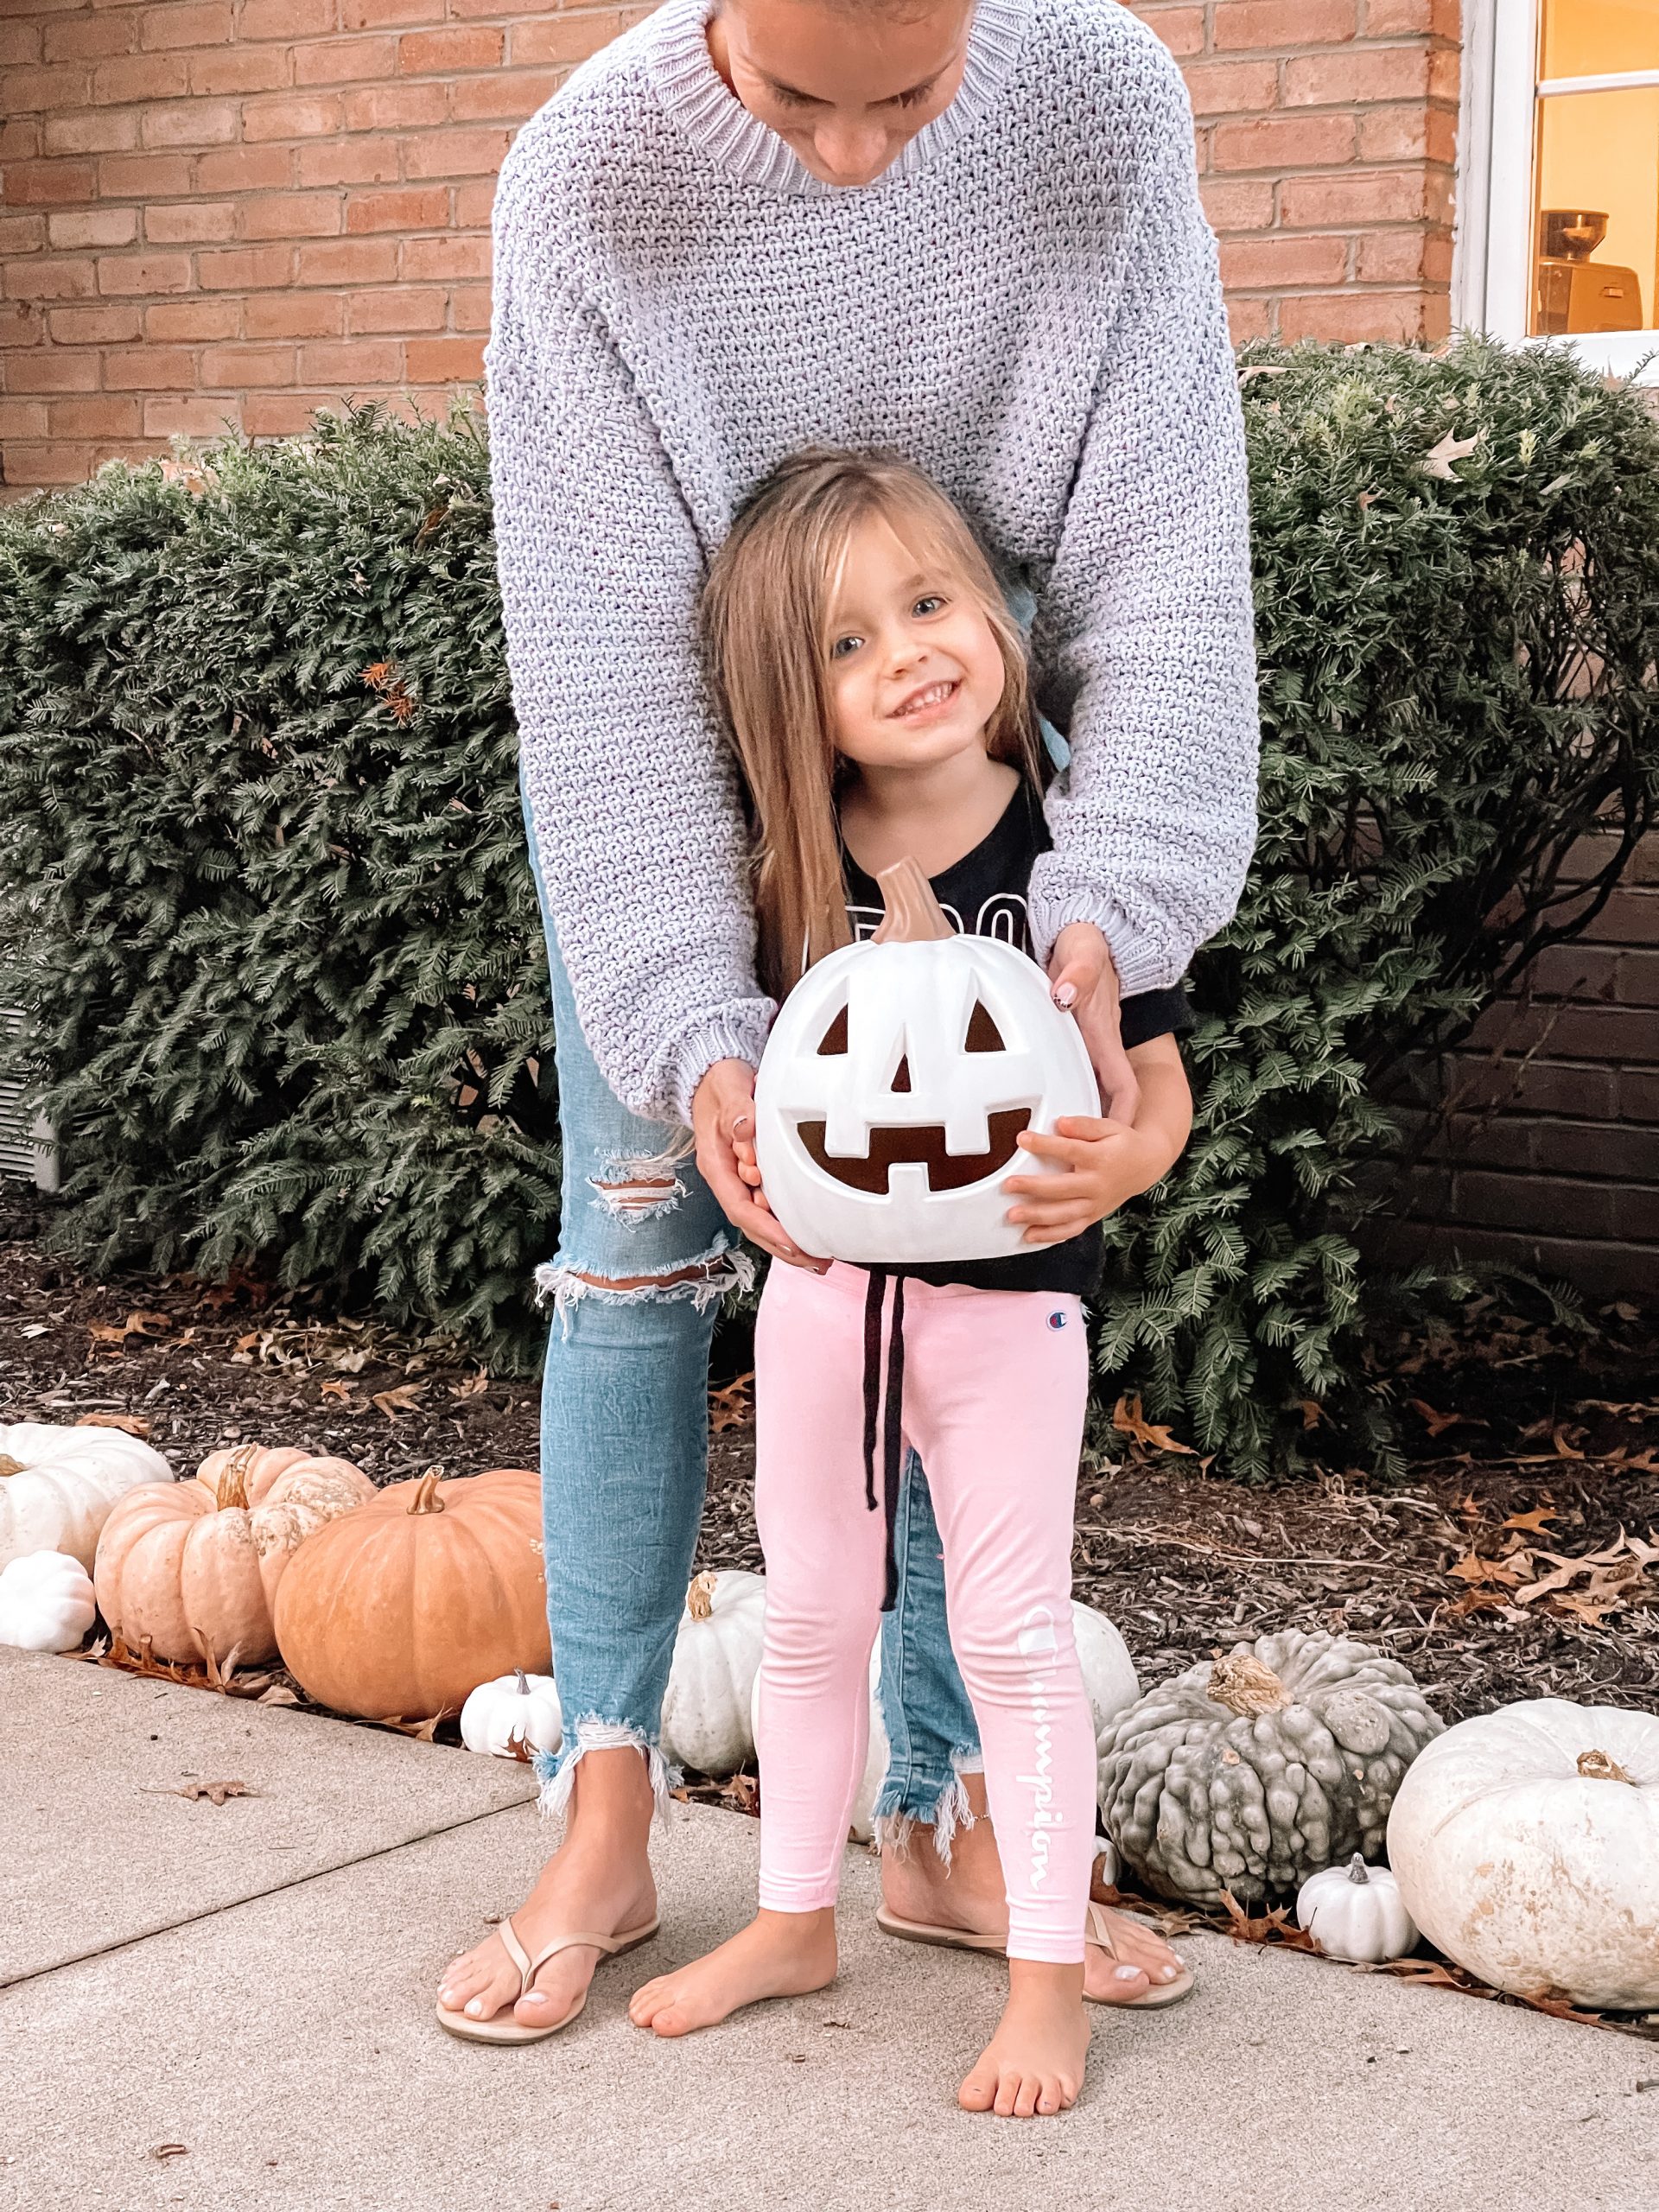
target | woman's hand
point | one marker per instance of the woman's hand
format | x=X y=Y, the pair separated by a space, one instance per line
x=1083 y=982
x=1101 y=1164
x=722 y=1122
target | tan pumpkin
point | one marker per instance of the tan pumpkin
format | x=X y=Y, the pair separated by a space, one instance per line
x=399 y=1611
x=191 y=1568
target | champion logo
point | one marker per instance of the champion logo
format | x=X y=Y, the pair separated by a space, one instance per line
x=1057 y=1320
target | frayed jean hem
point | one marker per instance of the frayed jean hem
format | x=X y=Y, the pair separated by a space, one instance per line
x=906 y=1804
x=556 y=1771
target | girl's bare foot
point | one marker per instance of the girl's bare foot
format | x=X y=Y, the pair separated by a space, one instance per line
x=970 y=1894
x=778 y=1954
x=1035 y=2063
x=599 y=1879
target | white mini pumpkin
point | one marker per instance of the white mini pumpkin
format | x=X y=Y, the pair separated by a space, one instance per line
x=57 y=1485
x=1357 y=1912
x=46 y=1602
x=1526 y=1842
x=513 y=1716
x=896 y=1079
x=711 y=1678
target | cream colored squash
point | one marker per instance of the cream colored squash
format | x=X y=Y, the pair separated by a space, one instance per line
x=46 y=1602
x=513 y=1716
x=1355 y=1912
x=57 y=1485
x=1109 y=1674
x=711 y=1679
x=1526 y=1843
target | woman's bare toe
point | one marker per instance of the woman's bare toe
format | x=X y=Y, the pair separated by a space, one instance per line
x=481 y=1982
x=1138 y=1959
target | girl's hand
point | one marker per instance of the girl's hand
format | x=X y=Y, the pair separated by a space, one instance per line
x=1102 y=1163
x=1083 y=980
x=722 y=1120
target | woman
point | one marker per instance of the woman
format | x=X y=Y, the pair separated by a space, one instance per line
x=971 y=232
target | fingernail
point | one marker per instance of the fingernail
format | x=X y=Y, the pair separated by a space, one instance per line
x=741 y=1124
x=1066 y=995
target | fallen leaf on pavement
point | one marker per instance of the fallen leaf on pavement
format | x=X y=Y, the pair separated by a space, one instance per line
x=215 y=1792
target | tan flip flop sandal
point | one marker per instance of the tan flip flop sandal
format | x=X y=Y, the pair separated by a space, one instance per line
x=503 y=2028
x=1098 y=1931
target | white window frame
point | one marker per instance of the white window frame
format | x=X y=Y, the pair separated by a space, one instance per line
x=1492 y=271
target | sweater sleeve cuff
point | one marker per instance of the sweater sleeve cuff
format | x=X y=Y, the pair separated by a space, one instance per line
x=1142 y=964
x=737 y=1033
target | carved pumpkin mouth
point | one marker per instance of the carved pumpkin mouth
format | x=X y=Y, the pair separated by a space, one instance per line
x=922 y=1147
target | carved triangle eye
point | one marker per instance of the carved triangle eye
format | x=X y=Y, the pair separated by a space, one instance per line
x=834 y=1039
x=901 y=1078
x=984 y=1035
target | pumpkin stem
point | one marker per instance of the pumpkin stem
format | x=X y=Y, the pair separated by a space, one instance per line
x=914 y=916
x=1357 y=1869
x=231 y=1483
x=1598 y=1766
x=426 y=1498
x=699 y=1597
x=1246 y=1685
x=9 y=1465
x=523 y=1687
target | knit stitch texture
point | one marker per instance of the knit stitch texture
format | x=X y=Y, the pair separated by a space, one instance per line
x=1027 y=305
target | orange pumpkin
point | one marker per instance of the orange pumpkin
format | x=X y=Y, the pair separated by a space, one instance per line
x=399 y=1611
x=192 y=1567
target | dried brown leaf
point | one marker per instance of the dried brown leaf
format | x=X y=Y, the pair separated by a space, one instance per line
x=1128 y=1420
x=403 y=1400
x=133 y=1424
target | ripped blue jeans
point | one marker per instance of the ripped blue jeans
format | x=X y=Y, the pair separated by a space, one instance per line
x=625 y=1455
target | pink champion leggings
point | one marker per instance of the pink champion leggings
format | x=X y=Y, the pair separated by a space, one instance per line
x=995 y=1384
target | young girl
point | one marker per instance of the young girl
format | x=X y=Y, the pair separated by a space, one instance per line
x=877 y=694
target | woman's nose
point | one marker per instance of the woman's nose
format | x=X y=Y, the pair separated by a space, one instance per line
x=850 y=152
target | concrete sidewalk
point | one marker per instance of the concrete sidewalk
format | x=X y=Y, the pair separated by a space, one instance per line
x=254 y=1981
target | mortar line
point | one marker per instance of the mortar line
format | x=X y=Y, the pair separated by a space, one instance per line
x=254 y=1897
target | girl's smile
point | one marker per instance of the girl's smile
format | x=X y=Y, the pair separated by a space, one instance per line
x=914 y=668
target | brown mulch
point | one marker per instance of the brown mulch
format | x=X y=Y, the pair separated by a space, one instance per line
x=1517 y=1560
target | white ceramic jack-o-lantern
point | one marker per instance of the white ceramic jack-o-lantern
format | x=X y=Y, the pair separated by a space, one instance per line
x=898 y=1076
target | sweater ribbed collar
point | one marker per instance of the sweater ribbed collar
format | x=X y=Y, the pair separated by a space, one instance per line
x=693 y=91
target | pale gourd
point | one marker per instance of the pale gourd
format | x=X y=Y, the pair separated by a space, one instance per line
x=1109 y=1675
x=513 y=1717
x=711 y=1678
x=46 y=1602
x=1251 y=1772
x=187 y=1570
x=862 y=1823
x=58 y=1485
x=895 y=1082
x=1526 y=1843
x=398 y=1610
x=1355 y=1912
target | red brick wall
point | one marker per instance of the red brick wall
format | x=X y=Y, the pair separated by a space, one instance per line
x=239 y=210
x=1553 y=1162
x=1327 y=141
x=245 y=209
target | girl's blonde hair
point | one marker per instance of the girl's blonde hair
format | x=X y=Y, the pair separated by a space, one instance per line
x=765 y=622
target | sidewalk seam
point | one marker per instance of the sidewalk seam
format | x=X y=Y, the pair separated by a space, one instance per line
x=214 y=1912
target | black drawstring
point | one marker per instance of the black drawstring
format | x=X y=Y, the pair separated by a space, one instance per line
x=892 y=1426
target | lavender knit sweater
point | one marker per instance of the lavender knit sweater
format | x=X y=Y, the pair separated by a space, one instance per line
x=1027 y=304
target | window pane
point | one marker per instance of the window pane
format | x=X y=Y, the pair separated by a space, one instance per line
x=1598 y=38
x=1597 y=228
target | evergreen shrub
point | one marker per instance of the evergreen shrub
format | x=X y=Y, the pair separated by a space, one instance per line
x=263 y=864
